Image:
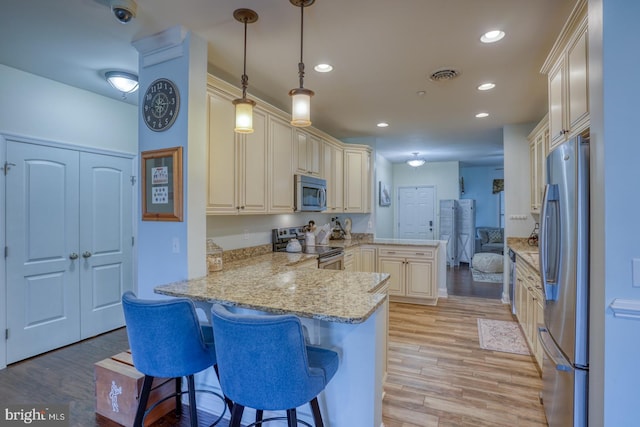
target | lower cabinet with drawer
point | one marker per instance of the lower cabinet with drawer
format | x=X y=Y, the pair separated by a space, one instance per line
x=529 y=306
x=413 y=273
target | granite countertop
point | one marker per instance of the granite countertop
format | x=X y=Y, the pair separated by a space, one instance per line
x=397 y=242
x=526 y=252
x=271 y=283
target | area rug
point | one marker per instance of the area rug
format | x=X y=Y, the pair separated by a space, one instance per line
x=479 y=276
x=500 y=335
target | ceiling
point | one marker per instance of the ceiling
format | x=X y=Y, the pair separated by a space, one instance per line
x=383 y=53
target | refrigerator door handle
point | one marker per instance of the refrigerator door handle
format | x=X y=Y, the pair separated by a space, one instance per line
x=558 y=360
x=550 y=242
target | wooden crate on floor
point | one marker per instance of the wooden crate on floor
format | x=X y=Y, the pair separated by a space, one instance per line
x=118 y=389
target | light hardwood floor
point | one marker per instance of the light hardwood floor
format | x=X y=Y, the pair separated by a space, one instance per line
x=439 y=376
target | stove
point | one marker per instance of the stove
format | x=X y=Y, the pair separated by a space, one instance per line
x=329 y=257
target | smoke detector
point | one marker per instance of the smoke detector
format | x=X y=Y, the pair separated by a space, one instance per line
x=444 y=74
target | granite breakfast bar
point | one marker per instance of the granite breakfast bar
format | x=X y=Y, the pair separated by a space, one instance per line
x=341 y=310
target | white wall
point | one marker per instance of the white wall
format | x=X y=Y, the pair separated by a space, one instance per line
x=516 y=180
x=478 y=185
x=615 y=201
x=36 y=107
x=442 y=175
x=384 y=214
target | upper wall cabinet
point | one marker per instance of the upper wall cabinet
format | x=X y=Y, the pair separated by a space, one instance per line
x=280 y=168
x=254 y=173
x=357 y=179
x=333 y=167
x=308 y=154
x=568 y=78
x=538 y=150
x=237 y=168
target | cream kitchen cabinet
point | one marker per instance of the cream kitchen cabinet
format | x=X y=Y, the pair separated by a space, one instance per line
x=538 y=150
x=334 y=175
x=357 y=179
x=237 y=168
x=280 y=166
x=568 y=79
x=308 y=154
x=529 y=306
x=352 y=258
x=368 y=259
x=413 y=273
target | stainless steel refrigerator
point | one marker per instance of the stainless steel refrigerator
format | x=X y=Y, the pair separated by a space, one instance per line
x=564 y=269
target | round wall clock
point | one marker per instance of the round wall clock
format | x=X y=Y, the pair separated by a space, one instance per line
x=160 y=105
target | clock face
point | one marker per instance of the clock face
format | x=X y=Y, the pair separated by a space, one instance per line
x=160 y=105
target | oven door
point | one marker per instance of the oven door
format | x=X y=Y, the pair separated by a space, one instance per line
x=335 y=262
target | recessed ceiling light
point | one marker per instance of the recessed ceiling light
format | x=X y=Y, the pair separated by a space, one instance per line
x=421 y=92
x=323 y=68
x=492 y=36
x=481 y=115
x=486 y=86
x=383 y=125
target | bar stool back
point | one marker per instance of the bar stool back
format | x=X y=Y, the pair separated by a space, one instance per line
x=265 y=364
x=167 y=341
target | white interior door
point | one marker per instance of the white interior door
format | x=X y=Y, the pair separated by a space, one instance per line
x=105 y=241
x=42 y=229
x=416 y=212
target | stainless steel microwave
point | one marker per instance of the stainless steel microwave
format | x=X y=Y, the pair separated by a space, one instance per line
x=310 y=194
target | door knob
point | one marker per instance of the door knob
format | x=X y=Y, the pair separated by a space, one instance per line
x=86 y=254
x=73 y=255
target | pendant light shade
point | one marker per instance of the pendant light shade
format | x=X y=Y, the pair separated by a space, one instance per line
x=301 y=97
x=301 y=107
x=244 y=106
x=244 y=115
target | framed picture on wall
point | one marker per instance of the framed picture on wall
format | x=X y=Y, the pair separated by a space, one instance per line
x=162 y=184
x=384 y=197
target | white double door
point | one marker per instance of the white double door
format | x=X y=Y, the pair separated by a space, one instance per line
x=68 y=245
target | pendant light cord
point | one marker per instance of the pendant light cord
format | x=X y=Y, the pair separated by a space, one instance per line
x=245 y=79
x=301 y=63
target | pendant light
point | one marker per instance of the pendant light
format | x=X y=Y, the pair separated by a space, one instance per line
x=244 y=106
x=416 y=161
x=301 y=97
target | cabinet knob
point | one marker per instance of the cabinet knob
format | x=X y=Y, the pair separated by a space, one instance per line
x=73 y=255
x=86 y=254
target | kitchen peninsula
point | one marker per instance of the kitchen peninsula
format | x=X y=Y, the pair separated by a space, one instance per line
x=344 y=311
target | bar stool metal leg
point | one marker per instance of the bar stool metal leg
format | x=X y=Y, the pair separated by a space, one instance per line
x=144 y=398
x=315 y=409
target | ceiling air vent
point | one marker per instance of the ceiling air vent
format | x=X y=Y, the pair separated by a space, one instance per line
x=444 y=75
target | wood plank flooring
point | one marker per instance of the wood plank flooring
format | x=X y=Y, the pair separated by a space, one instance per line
x=437 y=376
x=460 y=283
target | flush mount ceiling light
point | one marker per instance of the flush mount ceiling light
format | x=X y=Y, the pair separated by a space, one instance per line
x=486 y=86
x=122 y=81
x=416 y=161
x=482 y=115
x=492 y=36
x=244 y=106
x=301 y=97
x=383 y=125
x=323 y=68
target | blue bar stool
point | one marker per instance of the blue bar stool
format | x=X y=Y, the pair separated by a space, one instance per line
x=265 y=364
x=167 y=341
